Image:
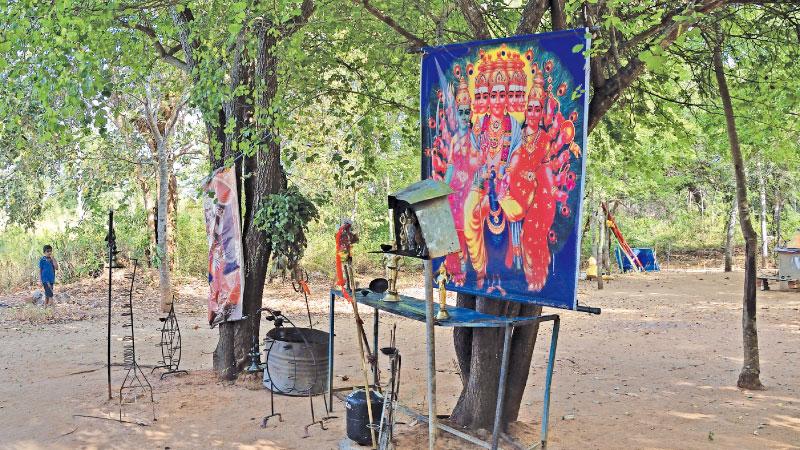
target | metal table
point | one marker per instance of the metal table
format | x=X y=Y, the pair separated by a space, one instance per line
x=415 y=309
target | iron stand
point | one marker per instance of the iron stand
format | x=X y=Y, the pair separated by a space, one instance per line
x=272 y=407
x=135 y=383
x=279 y=318
x=170 y=344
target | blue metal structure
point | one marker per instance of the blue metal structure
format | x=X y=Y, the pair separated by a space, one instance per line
x=415 y=309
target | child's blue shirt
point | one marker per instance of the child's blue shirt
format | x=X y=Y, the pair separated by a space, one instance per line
x=47 y=271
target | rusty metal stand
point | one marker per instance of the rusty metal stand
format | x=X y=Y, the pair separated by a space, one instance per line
x=135 y=383
x=170 y=344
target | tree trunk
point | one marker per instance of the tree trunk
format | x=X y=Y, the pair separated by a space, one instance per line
x=172 y=219
x=606 y=248
x=522 y=344
x=476 y=404
x=462 y=339
x=751 y=369
x=150 y=215
x=776 y=217
x=164 y=285
x=730 y=229
x=762 y=194
x=601 y=228
x=262 y=175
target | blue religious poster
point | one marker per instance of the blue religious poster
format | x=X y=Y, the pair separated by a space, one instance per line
x=504 y=123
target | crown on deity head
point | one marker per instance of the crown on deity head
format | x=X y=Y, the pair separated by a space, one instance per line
x=517 y=69
x=537 y=90
x=484 y=70
x=499 y=73
x=462 y=90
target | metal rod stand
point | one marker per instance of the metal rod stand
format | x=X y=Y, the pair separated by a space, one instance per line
x=501 y=388
x=431 y=350
x=330 y=352
x=110 y=268
x=272 y=407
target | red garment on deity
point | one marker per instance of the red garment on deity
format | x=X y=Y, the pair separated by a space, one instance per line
x=532 y=196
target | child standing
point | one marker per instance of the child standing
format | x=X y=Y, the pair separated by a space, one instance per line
x=47 y=273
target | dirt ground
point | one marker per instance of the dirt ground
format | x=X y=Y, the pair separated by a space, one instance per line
x=657 y=369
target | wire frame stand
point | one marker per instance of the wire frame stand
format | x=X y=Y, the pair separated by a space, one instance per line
x=278 y=318
x=170 y=344
x=135 y=384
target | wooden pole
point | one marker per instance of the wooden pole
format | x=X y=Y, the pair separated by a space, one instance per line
x=361 y=335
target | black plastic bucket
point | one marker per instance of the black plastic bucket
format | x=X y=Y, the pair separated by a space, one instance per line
x=358 y=416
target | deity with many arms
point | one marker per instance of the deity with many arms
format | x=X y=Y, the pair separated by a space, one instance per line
x=463 y=161
x=497 y=135
x=538 y=177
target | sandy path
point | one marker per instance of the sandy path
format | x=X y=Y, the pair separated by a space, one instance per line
x=656 y=370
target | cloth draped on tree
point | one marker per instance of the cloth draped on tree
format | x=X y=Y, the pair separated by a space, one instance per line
x=225 y=257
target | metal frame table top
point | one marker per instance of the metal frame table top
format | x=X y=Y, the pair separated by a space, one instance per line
x=415 y=309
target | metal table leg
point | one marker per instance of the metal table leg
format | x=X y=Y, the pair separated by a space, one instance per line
x=550 y=363
x=431 y=347
x=501 y=387
x=375 y=349
x=330 y=352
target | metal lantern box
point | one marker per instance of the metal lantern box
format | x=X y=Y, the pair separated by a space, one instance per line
x=423 y=221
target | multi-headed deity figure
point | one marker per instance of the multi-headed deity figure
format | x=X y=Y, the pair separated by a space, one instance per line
x=486 y=228
x=511 y=182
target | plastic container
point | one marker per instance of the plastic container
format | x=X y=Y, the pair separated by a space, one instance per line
x=358 y=416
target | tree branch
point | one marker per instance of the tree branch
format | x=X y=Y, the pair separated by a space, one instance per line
x=412 y=38
x=557 y=17
x=166 y=55
x=474 y=16
x=306 y=9
x=532 y=15
x=606 y=95
x=182 y=20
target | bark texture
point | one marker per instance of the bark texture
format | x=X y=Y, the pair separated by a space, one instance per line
x=164 y=282
x=749 y=377
x=730 y=229
x=172 y=217
x=762 y=196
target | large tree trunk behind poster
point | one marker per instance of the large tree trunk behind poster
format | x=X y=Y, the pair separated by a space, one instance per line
x=751 y=369
x=259 y=175
x=478 y=352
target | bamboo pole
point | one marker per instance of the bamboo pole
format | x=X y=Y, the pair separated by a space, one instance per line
x=360 y=336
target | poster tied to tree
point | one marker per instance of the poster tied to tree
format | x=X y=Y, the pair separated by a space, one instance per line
x=225 y=257
x=504 y=124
